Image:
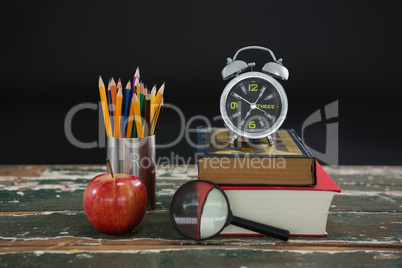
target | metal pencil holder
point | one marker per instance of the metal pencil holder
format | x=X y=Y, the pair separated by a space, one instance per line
x=135 y=156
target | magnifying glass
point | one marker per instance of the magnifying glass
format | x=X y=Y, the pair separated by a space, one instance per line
x=200 y=210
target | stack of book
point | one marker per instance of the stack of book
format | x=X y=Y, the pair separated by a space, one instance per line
x=280 y=185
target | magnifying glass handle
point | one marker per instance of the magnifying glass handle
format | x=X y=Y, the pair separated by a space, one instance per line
x=261 y=228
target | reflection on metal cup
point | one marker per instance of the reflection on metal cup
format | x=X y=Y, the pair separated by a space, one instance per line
x=135 y=156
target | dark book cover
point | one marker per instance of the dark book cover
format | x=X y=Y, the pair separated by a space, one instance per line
x=286 y=162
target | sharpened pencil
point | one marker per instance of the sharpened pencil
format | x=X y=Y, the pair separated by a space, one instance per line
x=111 y=108
x=160 y=93
x=136 y=79
x=105 y=109
x=126 y=105
x=153 y=106
x=137 y=118
x=155 y=122
x=133 y=111
x=147 y=115
x=142 y=101
x=117 y=126
x=131 y=131
x=157 y=100
x=113 y=92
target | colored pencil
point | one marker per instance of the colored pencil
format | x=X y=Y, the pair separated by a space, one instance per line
x=153 y=106
x=142 y=100
x=153 y=93
x=157 y=100
x=105 y=109
x=138 y=87
x=133 y=112
x=136 y=79
x=119 y=100
x=155 y=121
x=121 y=120
x=160 y=93
x=111 y=108
x=131 y=131
x=137 y=118
x=113 y=92
x=147 y=115
x=126 y=105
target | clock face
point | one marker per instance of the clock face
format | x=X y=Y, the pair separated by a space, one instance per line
x=253 y=106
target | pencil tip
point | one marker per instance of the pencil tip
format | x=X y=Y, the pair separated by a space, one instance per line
x=101 y=84
x=162 y=88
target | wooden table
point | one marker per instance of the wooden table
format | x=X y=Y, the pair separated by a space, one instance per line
x=42 y=221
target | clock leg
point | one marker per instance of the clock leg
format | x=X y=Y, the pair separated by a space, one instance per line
x=270 y=140
x=234 y=138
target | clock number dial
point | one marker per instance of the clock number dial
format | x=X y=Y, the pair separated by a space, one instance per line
x=253 y=105
x=252 y=87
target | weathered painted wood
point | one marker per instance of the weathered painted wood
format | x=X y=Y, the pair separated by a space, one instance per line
x=344 y=226
x=42 y=221
x=206 y=257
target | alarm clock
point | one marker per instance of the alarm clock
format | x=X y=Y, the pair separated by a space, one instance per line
x=253 y=104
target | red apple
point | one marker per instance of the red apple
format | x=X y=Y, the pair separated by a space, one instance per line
x=116 y=203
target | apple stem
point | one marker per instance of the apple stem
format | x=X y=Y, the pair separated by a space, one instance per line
x=110 y=167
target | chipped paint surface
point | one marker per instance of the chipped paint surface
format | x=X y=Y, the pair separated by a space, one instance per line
x=42 y=218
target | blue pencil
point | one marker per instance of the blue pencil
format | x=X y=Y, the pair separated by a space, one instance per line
x=126 y=104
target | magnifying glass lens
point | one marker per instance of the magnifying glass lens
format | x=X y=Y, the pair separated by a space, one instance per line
x=199 y=210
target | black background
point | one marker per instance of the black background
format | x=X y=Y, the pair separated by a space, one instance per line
x=54 y=51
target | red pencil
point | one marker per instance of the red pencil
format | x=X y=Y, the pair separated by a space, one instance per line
x=113 y=93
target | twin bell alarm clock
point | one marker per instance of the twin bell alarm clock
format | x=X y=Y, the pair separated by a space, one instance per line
x=253 y=104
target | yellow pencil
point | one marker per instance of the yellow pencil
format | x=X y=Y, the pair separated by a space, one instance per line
x=153 y=93
x=136 y=75
x=137 y=88
x=157 y=100
x=155 y=121
x=153 y=106
x=160 y=93
x=105 y=108
x=117 y=119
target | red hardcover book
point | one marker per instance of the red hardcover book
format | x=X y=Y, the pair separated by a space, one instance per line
x=301 y=210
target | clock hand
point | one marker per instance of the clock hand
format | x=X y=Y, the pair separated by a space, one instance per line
x=261 y=110
x=240 y=97
x=244 y=119
x=268 y=115
x=247 y=114
x=262 y=92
